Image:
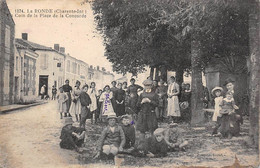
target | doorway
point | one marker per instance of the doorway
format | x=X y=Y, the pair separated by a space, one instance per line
x=16 y=90
x=43 y=80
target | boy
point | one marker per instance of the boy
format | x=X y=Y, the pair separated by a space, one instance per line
x=153 y=146
x=129 y=132
x=173 y=138
x=71 y=137
x=112 y=139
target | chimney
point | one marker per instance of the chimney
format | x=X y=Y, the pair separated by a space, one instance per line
x=24 y=36
x=98 y=68
x=62 y=50
x=57 y=47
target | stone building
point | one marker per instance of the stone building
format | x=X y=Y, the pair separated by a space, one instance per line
x=7 y=52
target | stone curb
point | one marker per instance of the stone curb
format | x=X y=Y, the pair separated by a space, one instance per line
x=22 y=107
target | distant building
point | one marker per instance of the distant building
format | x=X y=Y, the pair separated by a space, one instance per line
x=7 y=52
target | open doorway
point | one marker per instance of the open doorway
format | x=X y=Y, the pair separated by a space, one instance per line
x=43 y=80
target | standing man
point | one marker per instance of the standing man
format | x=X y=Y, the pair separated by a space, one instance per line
x=54 y=92
x=43 y=90
x=67 y=89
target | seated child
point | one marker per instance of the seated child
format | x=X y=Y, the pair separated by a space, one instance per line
x=173 y=138
x=228 y=107
x=112 y=139
x=71 y=137
x=154 y=146
x=129 y=131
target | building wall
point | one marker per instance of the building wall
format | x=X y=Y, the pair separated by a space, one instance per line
x=17 y=76
x=29 y=69
x=7 y=32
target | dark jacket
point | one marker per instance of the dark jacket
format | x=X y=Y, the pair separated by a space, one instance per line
x=108 y=137
x=129 y=132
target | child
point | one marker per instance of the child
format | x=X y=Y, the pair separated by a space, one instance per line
x=217 y=116
x=129 y=132
x=228 y=107
x=62 y=98
x=112 y=139
x=71 y=137
x=85 y=102
x=154 y=146
x=173 y=138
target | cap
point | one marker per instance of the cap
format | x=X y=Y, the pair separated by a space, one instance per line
x=158 y=131
x=68 y=121
x=147 y=82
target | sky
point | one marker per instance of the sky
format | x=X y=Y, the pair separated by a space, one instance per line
x=78 y=35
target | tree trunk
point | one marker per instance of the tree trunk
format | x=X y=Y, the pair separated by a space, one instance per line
x=179 y=76
x=254 y=73
x=197 y=115
x=151 y=72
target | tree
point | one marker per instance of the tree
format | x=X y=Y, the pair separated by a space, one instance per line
x=254 y=108
x=179 y=34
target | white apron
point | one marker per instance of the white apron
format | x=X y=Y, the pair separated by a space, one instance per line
x=173 y=102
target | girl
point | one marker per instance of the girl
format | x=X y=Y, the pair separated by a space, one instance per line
x=120 y=100
x=105 y=98
x=173 y=101
x=216 y=116
x=132 y=90
x=62 y=100
x=75 y=107
x=93 y=106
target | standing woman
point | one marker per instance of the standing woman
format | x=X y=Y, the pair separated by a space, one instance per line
x=236 y=117
x=132 y=90
x=120 y=100
x=85 y=103
x=93 y=96
x=173 y=101
x=67 y=89
x=147 y=102
x=105 y=98
x=75 y=107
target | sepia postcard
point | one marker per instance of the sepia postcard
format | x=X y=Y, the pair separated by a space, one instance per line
x=129 y=83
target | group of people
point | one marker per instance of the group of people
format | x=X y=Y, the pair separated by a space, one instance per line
x=121 y=137
x=126 y=112
x=227 y=113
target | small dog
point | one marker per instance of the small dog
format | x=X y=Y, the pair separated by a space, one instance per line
x=47 y=97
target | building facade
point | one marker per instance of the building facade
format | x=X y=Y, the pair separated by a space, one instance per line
x=7 y=52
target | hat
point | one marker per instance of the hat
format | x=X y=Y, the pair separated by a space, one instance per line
x=111 y=116
x=229 y=80
x=147 y=82
x=68 y=121
x=126 y=116
x=217 y=88
x=158 y=131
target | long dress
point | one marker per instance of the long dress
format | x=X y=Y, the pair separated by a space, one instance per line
x=62 y=98
x=133 y=96
x=107 y=108
x=92 y=94
x=113 y=101
x=120 y=102
x=67 y=89
x=146 y=117
x=173 y=102
x=75 y=107
x=216 y=114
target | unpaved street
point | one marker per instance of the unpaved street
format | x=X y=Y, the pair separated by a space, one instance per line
x=30 y=138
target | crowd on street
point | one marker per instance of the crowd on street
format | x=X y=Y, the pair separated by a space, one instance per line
x=128 y=109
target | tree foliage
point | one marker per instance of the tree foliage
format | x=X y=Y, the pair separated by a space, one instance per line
x=138 y=33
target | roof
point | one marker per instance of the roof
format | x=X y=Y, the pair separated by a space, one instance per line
x=30 y=45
